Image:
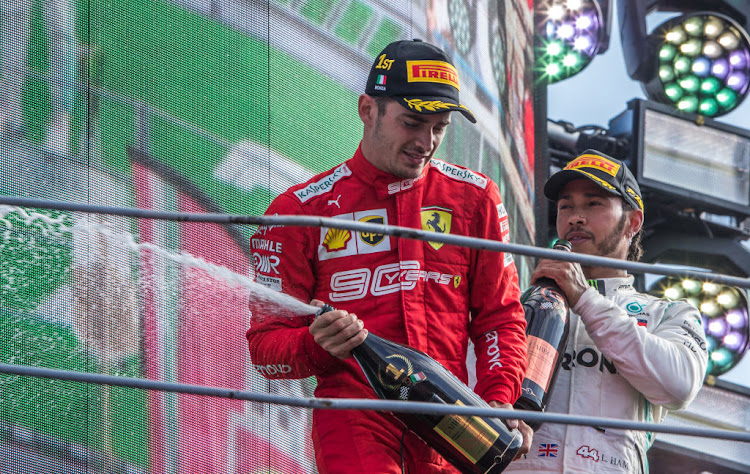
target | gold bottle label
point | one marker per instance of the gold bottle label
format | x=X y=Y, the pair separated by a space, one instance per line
x=472 y=436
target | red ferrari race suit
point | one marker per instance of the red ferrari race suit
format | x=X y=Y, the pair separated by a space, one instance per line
x=427 y=295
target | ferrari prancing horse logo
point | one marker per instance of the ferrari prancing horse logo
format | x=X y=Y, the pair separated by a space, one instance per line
x=436 y=219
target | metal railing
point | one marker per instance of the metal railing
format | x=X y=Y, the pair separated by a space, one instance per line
x=404 y=232
x=357 y=404
x=367 y=404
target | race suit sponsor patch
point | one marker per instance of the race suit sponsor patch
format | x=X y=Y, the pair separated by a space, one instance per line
x=385 y=279
x=502 y=214
x=269 y=282
x=461 y=174
x=493 y=350
x=269 y=245
x=266 y=263
x=323 y=185
x=273 y=369
x=335 y=243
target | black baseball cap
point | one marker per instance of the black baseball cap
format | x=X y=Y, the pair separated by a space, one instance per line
x=607 y=172
x=420 y=76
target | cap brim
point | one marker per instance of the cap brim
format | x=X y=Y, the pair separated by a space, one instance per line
x=434 y=105
x=556 y=182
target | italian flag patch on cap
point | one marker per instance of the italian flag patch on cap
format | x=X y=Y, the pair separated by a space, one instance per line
x=418 y=377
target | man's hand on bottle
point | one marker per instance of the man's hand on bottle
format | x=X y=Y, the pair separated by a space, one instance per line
x=338 y=331
x=568 y=276
x=525 y=429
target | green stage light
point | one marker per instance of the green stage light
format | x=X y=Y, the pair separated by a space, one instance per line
x=674 y=92
x=688 y=104
x=708 y=107
x=710 y=86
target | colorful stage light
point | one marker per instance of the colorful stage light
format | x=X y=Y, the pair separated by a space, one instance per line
x=703 y=64
x=724 y=316
x=571 y=32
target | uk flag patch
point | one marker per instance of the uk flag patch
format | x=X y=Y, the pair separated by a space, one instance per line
x=548 y=450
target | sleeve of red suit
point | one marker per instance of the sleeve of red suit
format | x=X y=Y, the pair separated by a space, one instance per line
x=280 y=344
x=498 y=324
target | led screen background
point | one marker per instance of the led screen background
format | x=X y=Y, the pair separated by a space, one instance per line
x=197 y=106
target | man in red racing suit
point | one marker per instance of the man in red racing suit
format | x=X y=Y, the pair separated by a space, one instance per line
x=430 y=296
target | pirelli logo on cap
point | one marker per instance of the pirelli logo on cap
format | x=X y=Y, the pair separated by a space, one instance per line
x=432 y=71
x=599 y=180
x=635 y=196
x=594 y=161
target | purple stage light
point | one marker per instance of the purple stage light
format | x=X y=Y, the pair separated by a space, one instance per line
x=724 y=316
x=737 y=81
x=737 y=317
x=738 y=59
x=717 y=327
x=720 y=68
x=566 y=31
x=734 y=341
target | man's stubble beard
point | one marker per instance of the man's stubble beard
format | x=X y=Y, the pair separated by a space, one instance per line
x=379 y=137
x=609 y=244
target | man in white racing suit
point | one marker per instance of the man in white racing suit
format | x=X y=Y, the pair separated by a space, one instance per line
x=629 y=355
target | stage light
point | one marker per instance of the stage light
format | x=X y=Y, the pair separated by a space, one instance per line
x=688 y=163
x=705 y=45
x=691 y=286
x=702 y=64
x=672 y=293
x=724 y=316
x=572 y=33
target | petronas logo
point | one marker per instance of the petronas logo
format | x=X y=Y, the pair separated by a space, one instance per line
x=634 y=307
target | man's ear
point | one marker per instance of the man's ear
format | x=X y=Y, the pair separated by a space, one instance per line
x=368 y=109
x=636 y=221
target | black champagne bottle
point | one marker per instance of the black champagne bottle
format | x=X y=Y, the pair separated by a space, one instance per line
x=472 y=444
x=547 y=327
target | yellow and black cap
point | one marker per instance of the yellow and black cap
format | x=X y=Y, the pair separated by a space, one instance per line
x=419 y=76
x=607 y=172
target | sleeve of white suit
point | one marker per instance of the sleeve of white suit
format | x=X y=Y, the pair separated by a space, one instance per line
x=666 y=362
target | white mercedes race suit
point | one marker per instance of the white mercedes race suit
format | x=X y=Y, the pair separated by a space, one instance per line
x=630 y=356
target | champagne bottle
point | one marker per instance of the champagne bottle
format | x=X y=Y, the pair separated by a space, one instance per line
x=547 y=327
x=472 y=444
